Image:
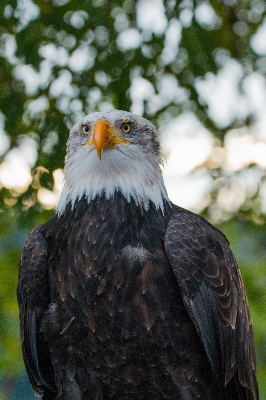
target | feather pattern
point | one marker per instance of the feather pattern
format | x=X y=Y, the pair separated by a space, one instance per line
x=123 y=322
x=215 y=298
x=33 y=299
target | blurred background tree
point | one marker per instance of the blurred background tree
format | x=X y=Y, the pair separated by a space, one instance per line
x=195 y=60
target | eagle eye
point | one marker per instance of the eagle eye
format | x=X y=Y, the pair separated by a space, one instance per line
x=85 y=130
x=126 y=128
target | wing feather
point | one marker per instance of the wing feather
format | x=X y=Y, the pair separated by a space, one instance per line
x=215 y=299
x=33 y=299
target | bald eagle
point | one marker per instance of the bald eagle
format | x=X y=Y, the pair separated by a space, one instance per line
x=124 y=295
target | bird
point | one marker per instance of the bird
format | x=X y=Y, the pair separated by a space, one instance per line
x=121 y=293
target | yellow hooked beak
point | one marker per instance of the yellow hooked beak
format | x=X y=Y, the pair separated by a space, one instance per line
x=104 y=137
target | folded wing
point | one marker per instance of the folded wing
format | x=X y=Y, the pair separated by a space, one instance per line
x=33 y=300
x=215 y=299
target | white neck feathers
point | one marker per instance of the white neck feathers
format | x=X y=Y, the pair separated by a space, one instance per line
x=132 y=173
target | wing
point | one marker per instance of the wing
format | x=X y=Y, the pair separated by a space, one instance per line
x=215 y=299
x=33 y=299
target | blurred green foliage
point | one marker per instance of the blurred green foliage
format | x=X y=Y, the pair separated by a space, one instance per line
x=61 y=59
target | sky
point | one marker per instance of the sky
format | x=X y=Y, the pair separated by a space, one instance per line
x=186 y=144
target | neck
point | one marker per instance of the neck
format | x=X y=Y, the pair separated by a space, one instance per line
x=139 y=180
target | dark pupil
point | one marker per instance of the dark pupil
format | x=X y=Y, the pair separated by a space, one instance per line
x=86 y=129
x=126 y=127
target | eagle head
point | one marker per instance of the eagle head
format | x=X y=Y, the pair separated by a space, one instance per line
x=113 y=151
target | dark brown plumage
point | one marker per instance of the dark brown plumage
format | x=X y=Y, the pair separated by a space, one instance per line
x=120 y=301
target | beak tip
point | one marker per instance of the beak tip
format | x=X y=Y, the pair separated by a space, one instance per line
x=99 y=152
